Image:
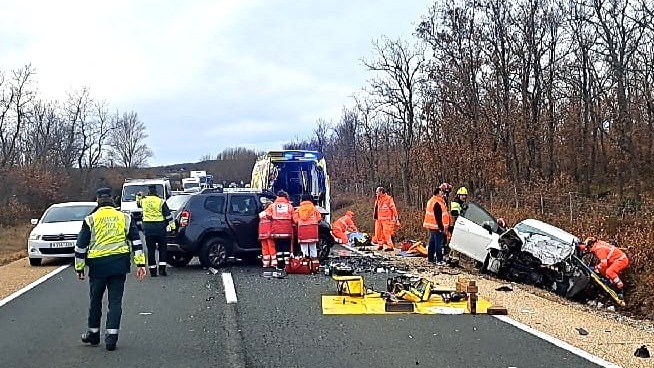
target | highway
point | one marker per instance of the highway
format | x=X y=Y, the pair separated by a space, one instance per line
x=184 y=320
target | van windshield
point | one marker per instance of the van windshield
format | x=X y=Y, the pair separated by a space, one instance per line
x=129 y=191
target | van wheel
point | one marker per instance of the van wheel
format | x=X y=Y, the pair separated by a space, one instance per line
x=214 y=253
x=179 y=259
x=35 y=261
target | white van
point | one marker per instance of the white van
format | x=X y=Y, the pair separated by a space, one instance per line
x=133 y=186
x=297 y=172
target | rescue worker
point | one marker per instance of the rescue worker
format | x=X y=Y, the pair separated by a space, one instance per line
x=612 y=260
x=157 y=221
x=437 y=220
x=342 y=226
x=281 y=214
x=307 y=217
x=268 y=252
x=386 y=219
x=459 y=204
x=103 y=246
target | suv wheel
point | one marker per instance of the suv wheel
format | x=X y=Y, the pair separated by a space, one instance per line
x=324 y=247
x=35 y=261
x=214 y=253
x=179 y=259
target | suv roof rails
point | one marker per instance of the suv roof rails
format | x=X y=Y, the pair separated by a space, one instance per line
x=138 y=180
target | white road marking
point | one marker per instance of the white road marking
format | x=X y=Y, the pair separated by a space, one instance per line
x=32 y=285
x=561 y=344
x=230 y=289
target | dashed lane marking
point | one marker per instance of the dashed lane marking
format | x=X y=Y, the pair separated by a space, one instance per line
x=230 y=289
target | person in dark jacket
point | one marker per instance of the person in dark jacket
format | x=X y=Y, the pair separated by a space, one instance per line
x=157 y=218
x=103 y=246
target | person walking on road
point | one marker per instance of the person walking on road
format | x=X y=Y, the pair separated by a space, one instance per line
x=157 y=220
x=437 y=221
x=386 y=219
x=342 y=226
x=281 y=212
x=307 y=218
x=268 y=252
x=103 y=246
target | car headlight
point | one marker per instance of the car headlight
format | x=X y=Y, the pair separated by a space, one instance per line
x=34 y=236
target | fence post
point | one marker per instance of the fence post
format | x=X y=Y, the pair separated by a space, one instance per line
x=542 y=207
x=570 y=197
x=491 y=202
x=515 y=191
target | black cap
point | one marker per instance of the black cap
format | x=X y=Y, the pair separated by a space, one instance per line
x=103 y=193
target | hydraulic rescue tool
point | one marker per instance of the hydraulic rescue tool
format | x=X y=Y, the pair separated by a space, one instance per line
x=598 y=280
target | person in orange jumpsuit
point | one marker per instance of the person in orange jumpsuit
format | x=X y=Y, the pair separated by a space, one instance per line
x=341 y=226
x=281 y=213
x=268 y=252
x=386 y=220
x=612 y=260
x=307 y=218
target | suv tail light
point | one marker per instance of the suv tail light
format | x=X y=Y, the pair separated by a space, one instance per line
x=184 y=218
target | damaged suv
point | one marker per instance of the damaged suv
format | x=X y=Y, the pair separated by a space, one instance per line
x=531 y=252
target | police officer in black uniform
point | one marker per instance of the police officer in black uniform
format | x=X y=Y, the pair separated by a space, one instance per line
x=103 y=246
x=156 y=218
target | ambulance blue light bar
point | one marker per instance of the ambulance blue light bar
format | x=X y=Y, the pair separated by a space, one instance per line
x=295 y=155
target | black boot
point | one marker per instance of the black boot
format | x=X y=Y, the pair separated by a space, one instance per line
x=92 y=338
x=153 y=271
x=162 y=270
x=110 y=341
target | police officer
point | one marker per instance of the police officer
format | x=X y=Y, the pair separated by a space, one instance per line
x=157 y=219
x=102 y=245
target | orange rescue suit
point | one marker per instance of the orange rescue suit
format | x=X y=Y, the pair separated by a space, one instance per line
x=342 y=225
x=267 y=244
x=612 y=261
x=386 y=220
x=281 y=213
x=307 y=218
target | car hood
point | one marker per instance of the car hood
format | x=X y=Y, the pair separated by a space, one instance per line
x=548 y=243
x=55 y=228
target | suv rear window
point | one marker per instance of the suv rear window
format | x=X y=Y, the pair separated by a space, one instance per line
x=215 y=204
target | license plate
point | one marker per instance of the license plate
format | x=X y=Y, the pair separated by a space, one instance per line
x=62 y=244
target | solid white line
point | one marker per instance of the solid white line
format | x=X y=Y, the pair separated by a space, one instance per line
x=553 y=340
x=32 y=285
x=230 y=289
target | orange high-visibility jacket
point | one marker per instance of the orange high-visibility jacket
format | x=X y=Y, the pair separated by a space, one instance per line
x=265 y=225
x=281 y=213
x=385 y=207
x=307 y=218
x=607 y=253
x=344 y=223
x=430 y=217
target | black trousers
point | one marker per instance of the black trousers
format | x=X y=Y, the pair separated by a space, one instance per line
x=154 y=243
x=115 y=286
x=283 y=248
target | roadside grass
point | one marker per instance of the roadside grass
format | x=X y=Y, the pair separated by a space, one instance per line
x=13 y=243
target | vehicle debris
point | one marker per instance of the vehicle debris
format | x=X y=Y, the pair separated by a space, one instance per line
x=642 y=352
x=505 y=287
x=582 y=331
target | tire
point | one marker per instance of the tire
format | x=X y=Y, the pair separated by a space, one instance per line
x=324 y=247
x=214 y=253
x=179 y=259
x=35 y=261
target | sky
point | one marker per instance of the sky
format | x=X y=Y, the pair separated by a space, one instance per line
x=205 y=75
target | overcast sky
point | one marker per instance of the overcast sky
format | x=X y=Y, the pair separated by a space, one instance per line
x=205 y=75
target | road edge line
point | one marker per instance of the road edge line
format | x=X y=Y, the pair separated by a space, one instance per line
x=557 y=342
x=32 y=285
x=230 y=289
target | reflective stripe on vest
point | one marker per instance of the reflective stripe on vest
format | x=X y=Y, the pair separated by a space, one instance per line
x=108 y=233
x=152 y=206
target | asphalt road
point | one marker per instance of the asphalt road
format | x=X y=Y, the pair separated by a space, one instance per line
x=183 y=320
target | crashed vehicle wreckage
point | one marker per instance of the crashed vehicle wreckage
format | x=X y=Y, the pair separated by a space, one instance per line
x=532 y=252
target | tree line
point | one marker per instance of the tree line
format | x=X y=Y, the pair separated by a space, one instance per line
x=516 y=94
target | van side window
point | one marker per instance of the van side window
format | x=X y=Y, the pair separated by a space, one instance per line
x=215 y=204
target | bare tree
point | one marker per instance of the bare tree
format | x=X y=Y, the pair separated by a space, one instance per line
x=398 y=69
x=127 y=142
x=13 y=110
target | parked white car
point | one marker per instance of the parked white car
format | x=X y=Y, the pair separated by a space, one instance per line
x=55 y=233
x=530 y=252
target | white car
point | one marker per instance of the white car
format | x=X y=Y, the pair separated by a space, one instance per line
x=531 y=252
x=55 y=233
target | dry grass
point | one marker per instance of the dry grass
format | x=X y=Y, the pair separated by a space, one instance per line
x=13 y=243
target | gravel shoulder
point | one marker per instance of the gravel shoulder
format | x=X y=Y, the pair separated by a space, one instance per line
x=18 y=274
x=611 y=336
